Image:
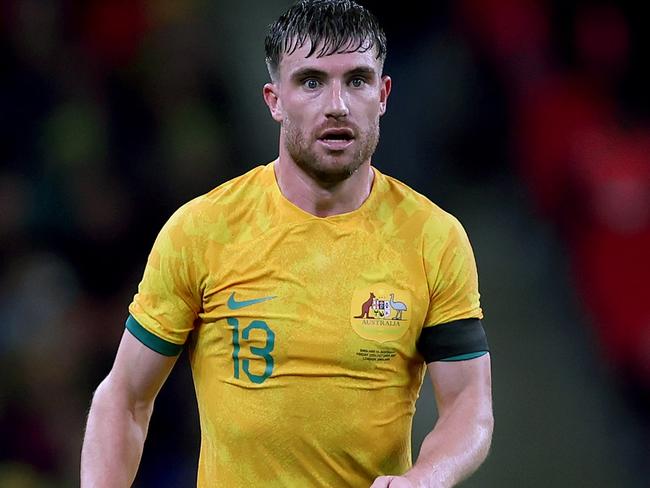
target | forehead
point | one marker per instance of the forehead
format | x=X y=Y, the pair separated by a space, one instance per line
x=333 y=64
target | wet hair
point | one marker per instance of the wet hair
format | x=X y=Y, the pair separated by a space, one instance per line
x=331 y=27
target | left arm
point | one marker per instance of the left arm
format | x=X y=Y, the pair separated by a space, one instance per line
x=461 y=438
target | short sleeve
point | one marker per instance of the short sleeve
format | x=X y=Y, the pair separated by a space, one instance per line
x=169 y=298
x=452 y=275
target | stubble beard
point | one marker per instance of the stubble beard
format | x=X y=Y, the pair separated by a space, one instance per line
x=329 y=169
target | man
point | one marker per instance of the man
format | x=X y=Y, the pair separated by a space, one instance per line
x=310 y=292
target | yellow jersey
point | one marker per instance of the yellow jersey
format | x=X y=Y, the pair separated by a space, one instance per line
x=302 y=330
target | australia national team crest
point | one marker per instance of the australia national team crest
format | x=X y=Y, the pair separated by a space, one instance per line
x=380 y=313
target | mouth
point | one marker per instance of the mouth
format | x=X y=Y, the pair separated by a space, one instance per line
x=336 y=139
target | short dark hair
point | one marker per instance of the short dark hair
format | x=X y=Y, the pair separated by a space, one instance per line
x=332 y=26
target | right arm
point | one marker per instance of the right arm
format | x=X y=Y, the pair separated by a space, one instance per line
x=119 y=415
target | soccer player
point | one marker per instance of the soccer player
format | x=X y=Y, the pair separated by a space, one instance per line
x=312 y=293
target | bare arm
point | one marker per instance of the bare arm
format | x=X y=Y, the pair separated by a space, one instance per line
x=461 y=438
x=119 y=415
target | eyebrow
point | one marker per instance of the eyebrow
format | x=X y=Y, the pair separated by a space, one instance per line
x=308 y=72
x=362 y=70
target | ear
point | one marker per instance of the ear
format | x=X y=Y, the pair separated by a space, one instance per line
x=272 y=100
x=386 y=85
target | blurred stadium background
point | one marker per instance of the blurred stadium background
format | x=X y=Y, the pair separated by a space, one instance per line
x=529 y=120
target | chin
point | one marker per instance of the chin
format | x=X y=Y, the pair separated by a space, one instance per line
x=330 y=170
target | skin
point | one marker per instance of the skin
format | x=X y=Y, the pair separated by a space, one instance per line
x=309 y=97
x=461 y=437
x=119 y=415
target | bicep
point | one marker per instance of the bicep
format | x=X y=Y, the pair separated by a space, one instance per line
x=138 y=372
x=468 y=380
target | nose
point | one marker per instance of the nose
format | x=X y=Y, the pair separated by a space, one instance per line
x=336 y=106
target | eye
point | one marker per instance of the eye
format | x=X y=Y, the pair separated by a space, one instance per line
x=357 y=82
x=311 y=83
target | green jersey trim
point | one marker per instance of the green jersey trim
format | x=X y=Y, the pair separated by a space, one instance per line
x=150 y=340
x=465 y=357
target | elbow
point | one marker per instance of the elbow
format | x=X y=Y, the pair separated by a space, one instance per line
x=485 y=426
x=108 y=393
x=112 y=398
x=487 y=421
x=103 y=396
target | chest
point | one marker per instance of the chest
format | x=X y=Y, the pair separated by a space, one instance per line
x=313 y=300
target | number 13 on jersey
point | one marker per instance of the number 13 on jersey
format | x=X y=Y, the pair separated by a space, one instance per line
x=262 y=352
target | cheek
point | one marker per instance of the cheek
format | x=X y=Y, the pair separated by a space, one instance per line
x=370 y=106
x=371 y=117
x=295 y=104
x=298 y=117
x=287 y=107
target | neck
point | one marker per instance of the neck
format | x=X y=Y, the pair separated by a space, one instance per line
x=323 y=200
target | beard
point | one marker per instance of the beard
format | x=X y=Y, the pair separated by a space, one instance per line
x=333 y=167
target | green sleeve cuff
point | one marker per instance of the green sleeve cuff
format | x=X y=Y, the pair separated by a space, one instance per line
x=465 y=357
x=150 y=340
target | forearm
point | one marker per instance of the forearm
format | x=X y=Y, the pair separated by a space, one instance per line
x=114 y=439
x=457 y=445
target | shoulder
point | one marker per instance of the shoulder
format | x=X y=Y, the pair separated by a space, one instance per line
x=214 y=216
x=406 y=204
x=226 y=198
x=247 y=186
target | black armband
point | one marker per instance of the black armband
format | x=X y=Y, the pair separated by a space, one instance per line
x=460 y=338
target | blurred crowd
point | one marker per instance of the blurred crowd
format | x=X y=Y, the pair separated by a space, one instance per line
x=576 y=75
x=114 y=112
x=111 y=117
x=580 y=143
